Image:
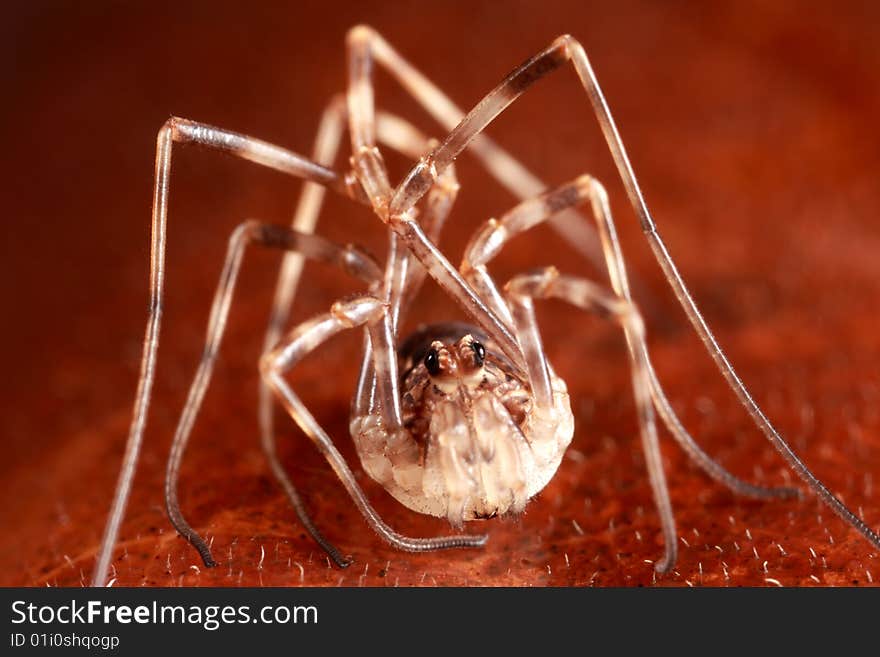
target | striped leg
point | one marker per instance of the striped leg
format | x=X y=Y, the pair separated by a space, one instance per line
x=371 y=312
x=491 y=238
x=257 y=151
x=547 y=284
x=310 y=246
x=403 y=277
x=566 y=49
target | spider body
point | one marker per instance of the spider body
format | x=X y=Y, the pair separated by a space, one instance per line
x=473 y=445
x=457 y=421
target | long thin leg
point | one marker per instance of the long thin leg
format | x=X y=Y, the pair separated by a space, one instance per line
x=305 y=219
x=401 y=136
x=311 y=246
x=491 y=238
x=563 y=49
x=260 y=152
x=403 y=277
x=508 y=171
x=404 y=138
x=372 y=312
x=370 y=170
x=548 y=283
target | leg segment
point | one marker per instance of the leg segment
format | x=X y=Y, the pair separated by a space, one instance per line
x=260 y=152
x=311 y=246
x=403 y=274
x=404 y=138
x=563 y=49
x=372 y=312
x=488 y=241
x=548 y=283
x=406 y=278
x=370 y=170
x=508 y=171
x=305 y=219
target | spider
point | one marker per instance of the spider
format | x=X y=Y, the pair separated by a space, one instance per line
x=457 y=420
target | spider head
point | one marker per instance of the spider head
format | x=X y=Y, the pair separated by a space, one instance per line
x=461 y=359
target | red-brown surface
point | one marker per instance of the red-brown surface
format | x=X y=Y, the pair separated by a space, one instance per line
x=753 y=133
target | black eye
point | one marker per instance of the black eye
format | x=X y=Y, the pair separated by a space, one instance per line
x=432 y=362
x=479 y=353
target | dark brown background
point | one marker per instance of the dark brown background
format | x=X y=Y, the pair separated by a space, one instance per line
x=753 y=132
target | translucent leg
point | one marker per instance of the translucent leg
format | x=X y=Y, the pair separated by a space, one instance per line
x=363 y=310
x=502 y=166
x=370 y=170
x=305 y=219
x=493 y=236
x=402 y=278
x=310 y=246
x=248 y=148
x=567 y=49
x=584 y=294
x=404 y=275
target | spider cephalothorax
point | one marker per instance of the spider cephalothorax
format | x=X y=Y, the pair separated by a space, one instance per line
x=451 y=361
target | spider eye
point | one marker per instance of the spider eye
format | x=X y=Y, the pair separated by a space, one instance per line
x=479 y=353
x=432 y=362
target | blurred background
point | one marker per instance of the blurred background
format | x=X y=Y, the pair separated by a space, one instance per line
x=752 y=130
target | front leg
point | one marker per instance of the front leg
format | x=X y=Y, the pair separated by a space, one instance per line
x=567 y=49
x=307 y=245
x=257 y=151
x=489 y=240
x=370 y=169
x=584 y=294
x=360 y=311
x=370 y=46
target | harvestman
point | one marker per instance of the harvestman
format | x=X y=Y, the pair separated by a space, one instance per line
x=457 y=421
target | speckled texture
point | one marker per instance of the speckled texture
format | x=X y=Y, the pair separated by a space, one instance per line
x=753 y=134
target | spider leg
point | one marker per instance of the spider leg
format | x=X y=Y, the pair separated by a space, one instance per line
x=490 y=238
x=305 y=219
x=404 y=280
x=372 y=174
x=400 y=135
x=185 y=131
x=507 y=170
x=403 y=273
x=566 y=49
x=548 y=283
x=250 y=232
x=372 y=312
